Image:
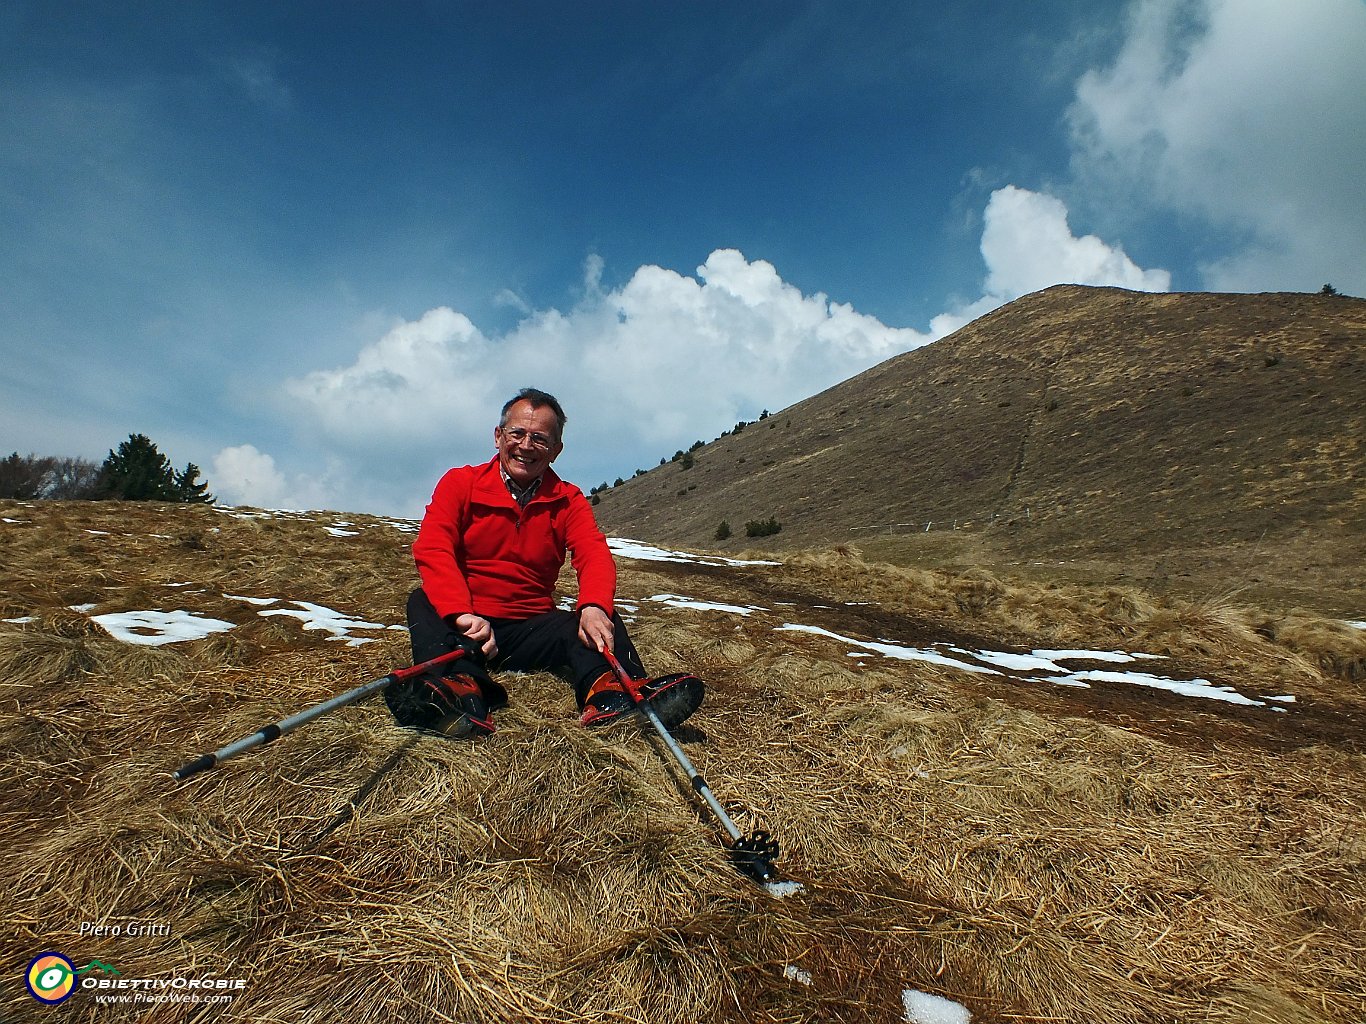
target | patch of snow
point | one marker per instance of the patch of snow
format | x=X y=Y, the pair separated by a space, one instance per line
x=649 y=553
x=261 y=601
x=782 y=890
x=923 y=1008
x=7 y=519
x=1354 y=625
x=99 y=533
x=337 y=531
x=22 y=619
x=1117 y=657
x=83 y=607
x=677 y=601
x=154 y=628
x=891 y=650
x=1014 y=662
x=1286 y=698
x=316 y=616
x=795 y=974
x=1184 y=687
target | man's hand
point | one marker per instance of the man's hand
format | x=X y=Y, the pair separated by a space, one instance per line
x=478 y=630
x=595 y=628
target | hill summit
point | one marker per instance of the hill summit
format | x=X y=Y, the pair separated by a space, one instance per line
x=1154 y=436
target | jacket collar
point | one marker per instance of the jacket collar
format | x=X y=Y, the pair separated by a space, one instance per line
x=489 y=485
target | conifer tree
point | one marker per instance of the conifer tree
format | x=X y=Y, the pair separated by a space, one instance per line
x=138 y=471
x=188 y=490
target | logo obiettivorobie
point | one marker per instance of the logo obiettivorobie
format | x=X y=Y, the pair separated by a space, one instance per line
x=51 y=978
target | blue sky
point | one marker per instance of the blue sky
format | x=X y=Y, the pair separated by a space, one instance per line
x=311 y=247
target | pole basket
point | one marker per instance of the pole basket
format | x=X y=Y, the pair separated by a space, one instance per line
x=754 y=855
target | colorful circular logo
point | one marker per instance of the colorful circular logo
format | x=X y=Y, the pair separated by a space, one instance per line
x=51 y=978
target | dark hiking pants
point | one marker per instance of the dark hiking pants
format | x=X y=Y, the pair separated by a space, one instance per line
x=547 y=642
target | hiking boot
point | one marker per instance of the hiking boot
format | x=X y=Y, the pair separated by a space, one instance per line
x=459 y=707
x=606 y=702
x=673 y=698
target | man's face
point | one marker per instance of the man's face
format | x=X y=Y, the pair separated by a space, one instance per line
x=528 y=442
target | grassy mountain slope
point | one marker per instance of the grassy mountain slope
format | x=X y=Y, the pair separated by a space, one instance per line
x=1111 y=853
x=1207 y=443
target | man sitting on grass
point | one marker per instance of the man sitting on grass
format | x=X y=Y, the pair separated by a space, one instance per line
x=490 y=548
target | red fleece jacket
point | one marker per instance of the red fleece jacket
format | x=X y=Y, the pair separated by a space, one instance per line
x=478 y=552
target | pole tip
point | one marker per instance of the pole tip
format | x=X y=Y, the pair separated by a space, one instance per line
x=194 y=767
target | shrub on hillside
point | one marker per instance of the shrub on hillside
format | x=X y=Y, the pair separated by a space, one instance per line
x=762 y=527
x=722 y=530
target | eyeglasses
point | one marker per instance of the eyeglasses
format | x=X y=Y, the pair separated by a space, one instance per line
x=520 y=434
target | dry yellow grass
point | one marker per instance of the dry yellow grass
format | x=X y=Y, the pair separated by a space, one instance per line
x=1029 y=855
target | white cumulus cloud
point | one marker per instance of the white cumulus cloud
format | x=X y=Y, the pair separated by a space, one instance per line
x=642 y=369
x=1247 y=114
x=244 y=476
x=1027 y=245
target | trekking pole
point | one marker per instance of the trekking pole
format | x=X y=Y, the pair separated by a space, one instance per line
x=285 y=725
x=753 y=854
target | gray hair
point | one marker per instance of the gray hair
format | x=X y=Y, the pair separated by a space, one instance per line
x=538 y=399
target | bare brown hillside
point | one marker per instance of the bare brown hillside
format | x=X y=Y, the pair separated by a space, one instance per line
x=1042 y=803
x=1204 y=443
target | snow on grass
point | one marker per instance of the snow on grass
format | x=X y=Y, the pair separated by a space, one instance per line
x=154 y=628
x=337 y=531
x=1014 y=662
x=796 y=974
x=782 y=890
x=1356 y=625
x=1185 y=687
x=627 y=548
x=261 y=601
x=317 y=616
x=1035 y=662
x=21 y=620
x=890 y=650
x=924 y=1008
x=1117 y=657
x=677 y=601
